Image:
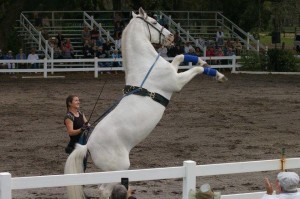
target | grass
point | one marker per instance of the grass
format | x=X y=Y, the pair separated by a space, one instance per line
x=288 y=39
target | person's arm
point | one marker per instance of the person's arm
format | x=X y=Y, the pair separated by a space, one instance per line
x=70 y=130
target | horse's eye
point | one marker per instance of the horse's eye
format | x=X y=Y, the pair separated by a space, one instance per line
x=154 y=22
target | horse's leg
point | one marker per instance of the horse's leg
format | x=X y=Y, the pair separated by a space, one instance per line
x=197 y=60
x=185 y=77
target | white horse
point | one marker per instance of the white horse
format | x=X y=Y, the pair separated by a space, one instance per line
x=137 y=114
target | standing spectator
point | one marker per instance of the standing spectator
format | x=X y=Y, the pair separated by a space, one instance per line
x=187 y=47
x=85 y=34
x=285 y=186
x=237 y=46
x=9 y=56
x=33 y=56
x=220 y=37
x=95 y=34
x=107 y=47
x=220 y=53
x=177 y=39
x=60 y=40
x=1 y=58
x=115 y=55
x=210 y=52
x=118 y=29
x=118 y=41
x=21 y=55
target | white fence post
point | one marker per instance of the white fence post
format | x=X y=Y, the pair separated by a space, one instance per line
x=5 y=185
x=45 y=67
x=233 y=63
x=96 y=67
x=189 y=181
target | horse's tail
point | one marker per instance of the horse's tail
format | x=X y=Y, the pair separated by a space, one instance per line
x=73 y=165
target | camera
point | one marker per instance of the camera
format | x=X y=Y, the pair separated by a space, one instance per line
x=125 y=182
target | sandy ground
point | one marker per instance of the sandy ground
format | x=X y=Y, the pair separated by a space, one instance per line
x=250 y=117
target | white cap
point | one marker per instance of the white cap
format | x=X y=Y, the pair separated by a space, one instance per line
x=288 y=180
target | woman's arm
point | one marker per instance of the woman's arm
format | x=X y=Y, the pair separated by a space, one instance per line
x=70 y=130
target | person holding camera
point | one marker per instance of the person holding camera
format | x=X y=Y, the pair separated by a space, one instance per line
x=285 y=186
x=120 y=192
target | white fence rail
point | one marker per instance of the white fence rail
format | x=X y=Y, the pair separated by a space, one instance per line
x=189 y=171
x=79 y=65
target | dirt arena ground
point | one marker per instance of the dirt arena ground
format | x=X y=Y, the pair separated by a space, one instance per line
x=250 y=117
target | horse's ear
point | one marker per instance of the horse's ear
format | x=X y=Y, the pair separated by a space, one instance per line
x=133 y=14
x=142 y=12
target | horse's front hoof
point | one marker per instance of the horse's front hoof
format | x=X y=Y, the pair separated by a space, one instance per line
x=222 y=78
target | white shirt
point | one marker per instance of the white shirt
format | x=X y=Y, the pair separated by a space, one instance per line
x=33 y=57
x=283 y=196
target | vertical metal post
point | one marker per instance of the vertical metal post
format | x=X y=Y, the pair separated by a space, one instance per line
x=248 y=43
x=233 y=64
x=40 y=40
x=189 y=181
x=5 y=185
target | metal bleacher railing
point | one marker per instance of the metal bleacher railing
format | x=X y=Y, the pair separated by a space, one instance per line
x=193 y=26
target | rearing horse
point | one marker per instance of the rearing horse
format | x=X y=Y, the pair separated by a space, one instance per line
x=150 y=82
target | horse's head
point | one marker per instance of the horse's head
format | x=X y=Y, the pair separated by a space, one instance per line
x=157 y=33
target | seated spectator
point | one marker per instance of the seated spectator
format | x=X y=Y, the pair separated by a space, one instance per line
x=33 y=56
x=107 y=47
x=237 y=46
x=85 y=34
x=220 y=53
x=187 y=47
x=230 y=52
x=21 y=55
x=115 y=55
x=204 y=192
x=88 y=50
x=102 y=55
x=100 y=41
x=46 y=22
x=120 y=192
x=210 y=52
x=163 y=51
x=285 y=186
x=198 y=52
x=67 y=50
x=57 y=53
x=9 y=56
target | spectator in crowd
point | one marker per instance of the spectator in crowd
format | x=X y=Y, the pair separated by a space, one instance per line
x=101 y=54
x=237 y=46
x=85 y=34
x=95 y=34
x=210 y=52
x=88 y=50
x=100 y=41
x=120 y=192
x=1 y=58
x=177 y=39
x=220 y=53
x=57 y=53
x=198 y=52
x=9 y=56
x=68 y=51
x=118 y=42
x=118 y=29
x=33 y=56
x=45 y=34
x=187 y=47
x=46 y=22
x=60 y=39
x=200 y=41
x=230 y=52
x=285 y=186
x=21 y=55
x=163 y=51
x=107 y=47
x=220 y=37
x=115 y=55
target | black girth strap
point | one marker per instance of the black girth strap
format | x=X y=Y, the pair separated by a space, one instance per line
x=144 y=92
